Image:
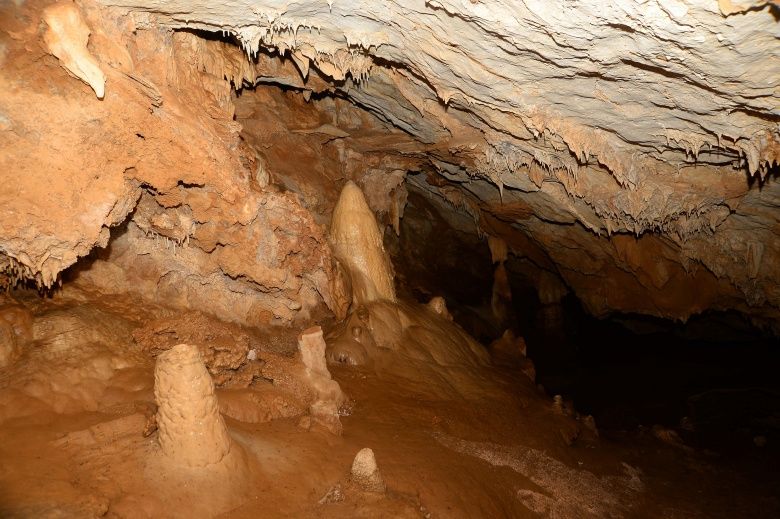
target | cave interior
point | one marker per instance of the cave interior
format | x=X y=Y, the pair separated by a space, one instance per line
x=439 y=259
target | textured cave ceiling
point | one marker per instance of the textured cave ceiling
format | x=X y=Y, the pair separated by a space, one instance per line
x=635 y=88
x=628 y=147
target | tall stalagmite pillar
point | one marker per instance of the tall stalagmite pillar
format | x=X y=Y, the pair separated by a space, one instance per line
x=329 y=397
x=191 y=430
x=357 y=243
x=501 y=302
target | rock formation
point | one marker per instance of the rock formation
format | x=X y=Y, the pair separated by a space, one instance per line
x=329 y=398
x=555 y=127
x=9 y=349
x=512 y=350
x=501 y=300
x=191 y=430
x=15 y=331
x=439 y=306
x=357 y=243
x=380 y=329
x=365 y=472
x=195 y=461
x=592 y=179
x=405 y=336
x=224 y=348
x=197 y=181
x=67 y=38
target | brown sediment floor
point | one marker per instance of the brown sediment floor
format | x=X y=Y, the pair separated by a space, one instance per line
x=75 y=406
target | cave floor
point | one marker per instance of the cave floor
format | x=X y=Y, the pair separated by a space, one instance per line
x=75 y=405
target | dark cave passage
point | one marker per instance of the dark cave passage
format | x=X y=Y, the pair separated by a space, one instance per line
x=711 y=380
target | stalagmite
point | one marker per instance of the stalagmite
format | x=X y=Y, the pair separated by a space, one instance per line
x=502 y=292
x=329 y=397
x=357 y=243
x=439 y=306
x=67 y=38
x=191 y=430
x=8 y=347
x=365 y=472
x=602 y=179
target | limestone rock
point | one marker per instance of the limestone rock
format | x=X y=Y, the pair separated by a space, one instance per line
x=560 y=127
x=15 y=332
x=357 y=243
x=9 y=350
x=67 y=37
x=191 y=430
x=627 y=150
x=365 y=472
x=223 y=347
x=438 y=305
x=409 y=340
x=329 y=397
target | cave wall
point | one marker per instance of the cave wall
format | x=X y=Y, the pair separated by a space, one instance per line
x=627 y=153
x=160 y=151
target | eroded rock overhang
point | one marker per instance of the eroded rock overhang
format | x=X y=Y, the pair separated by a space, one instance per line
x=626 y=147
x=644 y=128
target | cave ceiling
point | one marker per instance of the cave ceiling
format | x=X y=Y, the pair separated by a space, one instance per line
x=630 y=147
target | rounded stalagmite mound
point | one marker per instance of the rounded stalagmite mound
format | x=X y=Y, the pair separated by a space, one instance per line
x=365 y=472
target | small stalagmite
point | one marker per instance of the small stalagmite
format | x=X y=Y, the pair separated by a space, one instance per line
x=357 y=243
x=438 y=305
x=365 y=472
x=329 y=397
x=191 y=430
